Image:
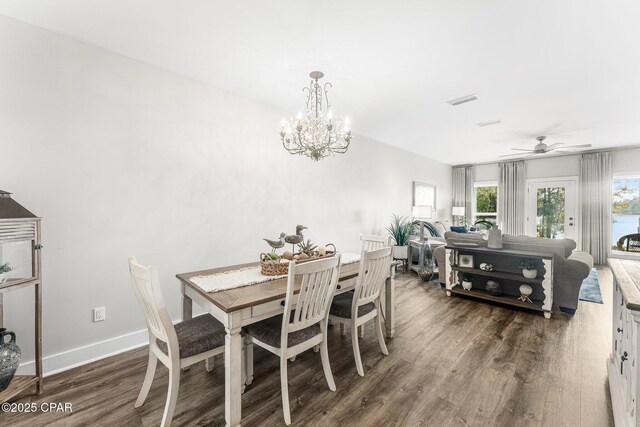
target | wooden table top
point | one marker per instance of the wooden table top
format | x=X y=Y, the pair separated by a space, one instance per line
x=248 y=296
x=627 y=274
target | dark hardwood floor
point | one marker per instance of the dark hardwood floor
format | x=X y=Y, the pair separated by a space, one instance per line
x=453 y=362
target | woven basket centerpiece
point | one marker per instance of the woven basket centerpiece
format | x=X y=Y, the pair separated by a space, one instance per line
x=278 y=265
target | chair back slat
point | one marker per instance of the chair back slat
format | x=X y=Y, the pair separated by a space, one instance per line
x=371 y=242
x=318 y=281
x=374 y=269
x=146 y=286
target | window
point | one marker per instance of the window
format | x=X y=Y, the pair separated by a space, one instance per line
x=625 y=214
x=485 y=201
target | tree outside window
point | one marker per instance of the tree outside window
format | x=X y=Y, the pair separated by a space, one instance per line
x=486 y=202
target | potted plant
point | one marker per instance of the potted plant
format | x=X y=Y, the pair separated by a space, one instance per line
x=401 y=229
x=4 y=269
x=529 y=269
x=466 y=281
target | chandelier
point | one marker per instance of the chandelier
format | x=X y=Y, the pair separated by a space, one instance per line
x=316 y=133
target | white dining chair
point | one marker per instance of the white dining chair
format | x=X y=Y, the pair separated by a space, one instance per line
x=364 y=304
x=189 y=342
x=371 y=242
x=304 y=322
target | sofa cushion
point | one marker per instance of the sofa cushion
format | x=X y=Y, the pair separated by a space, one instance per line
x=463 y=238
x=461 y=229
x=541 y=244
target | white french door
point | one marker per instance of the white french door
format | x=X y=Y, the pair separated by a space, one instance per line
x=551 y=208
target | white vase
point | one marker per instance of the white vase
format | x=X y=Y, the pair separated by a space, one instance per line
x=400 y=252
x=466 y=285
x=3 y=277
x=529 y=274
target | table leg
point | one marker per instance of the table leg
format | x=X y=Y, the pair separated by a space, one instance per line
x=233 y=375
x=187 y=313
x=187 y=306
x=389 y=310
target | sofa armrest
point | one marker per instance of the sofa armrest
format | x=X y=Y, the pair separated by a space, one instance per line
x=578 y=266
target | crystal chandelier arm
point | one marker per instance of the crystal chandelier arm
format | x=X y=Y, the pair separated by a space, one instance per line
x=326 y=92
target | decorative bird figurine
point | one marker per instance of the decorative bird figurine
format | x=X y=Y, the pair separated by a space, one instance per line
x=276 y=244
x=294 y=239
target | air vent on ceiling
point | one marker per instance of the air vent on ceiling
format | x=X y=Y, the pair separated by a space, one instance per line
x=464 y=99
x=488 y=123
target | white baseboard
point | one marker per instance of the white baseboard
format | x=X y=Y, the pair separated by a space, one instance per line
x=86 y=354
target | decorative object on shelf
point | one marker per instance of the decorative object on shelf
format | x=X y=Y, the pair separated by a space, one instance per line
x=401 y=229
x=276 y=244
x=9 y=358
x=486 y=267
x=529 y=269
x=316 y=133
x=493 y=288
x=495 y=238
x=466 y=281
x=4 y=269
x=294 y=239
x=525 y=292
x=466 y=261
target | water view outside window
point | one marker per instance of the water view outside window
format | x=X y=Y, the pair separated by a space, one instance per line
x=625 y=227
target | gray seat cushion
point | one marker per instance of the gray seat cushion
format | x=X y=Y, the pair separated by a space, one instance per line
x=341 y=306
x=268 y=331
x=197 y=335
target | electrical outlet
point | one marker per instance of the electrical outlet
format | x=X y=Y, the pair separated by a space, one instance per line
x=99 y=314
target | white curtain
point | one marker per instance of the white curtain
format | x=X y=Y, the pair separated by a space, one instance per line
x=512 y=187
x=463 y=177
x=595 y=199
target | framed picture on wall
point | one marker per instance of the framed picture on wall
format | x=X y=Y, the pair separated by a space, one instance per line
x=424 y=194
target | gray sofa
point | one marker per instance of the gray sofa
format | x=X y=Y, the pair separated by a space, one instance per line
x=571 y=267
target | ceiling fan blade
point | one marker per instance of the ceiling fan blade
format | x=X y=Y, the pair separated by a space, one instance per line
x=577 y=146
x=511 y=155
x=553 y=146
x=521 y=149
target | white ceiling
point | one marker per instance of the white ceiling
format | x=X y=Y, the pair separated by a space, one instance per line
x=564 y=67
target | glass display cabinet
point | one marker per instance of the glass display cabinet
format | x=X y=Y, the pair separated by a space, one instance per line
x=19 y=268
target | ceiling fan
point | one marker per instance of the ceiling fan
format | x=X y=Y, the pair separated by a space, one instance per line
x=542 y=148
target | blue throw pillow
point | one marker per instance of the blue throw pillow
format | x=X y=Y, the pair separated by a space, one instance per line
x=462 y=229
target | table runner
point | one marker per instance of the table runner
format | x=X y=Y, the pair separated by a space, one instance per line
x=249 y=276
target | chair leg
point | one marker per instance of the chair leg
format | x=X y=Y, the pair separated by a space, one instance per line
x=326 y=366
x=316 y=348
x=148 y=379
x=284 y=389
x=361 y=331
x=248 y=359
x=342 y=331
x=172 y=394
x=378 y=325
x=208 y=364
x=356 y=349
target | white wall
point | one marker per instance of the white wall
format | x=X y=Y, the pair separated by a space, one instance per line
x=623 y=161
x=121 y=158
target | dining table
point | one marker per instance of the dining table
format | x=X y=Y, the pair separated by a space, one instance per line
x=241 y=306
